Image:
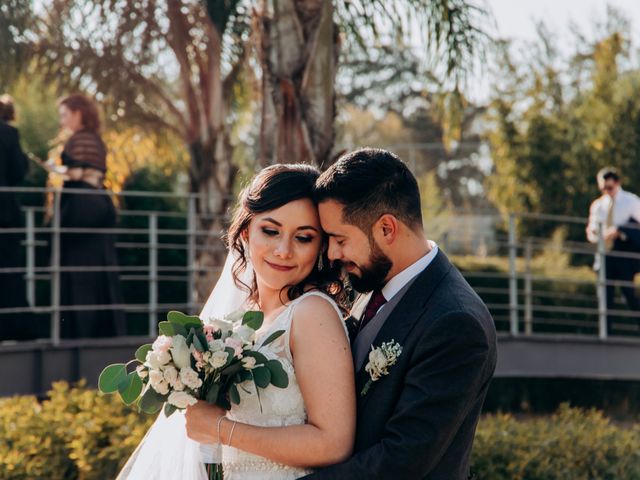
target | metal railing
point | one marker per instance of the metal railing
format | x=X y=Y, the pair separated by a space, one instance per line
x=534 y=301
x=523 y=300
x=185 y=238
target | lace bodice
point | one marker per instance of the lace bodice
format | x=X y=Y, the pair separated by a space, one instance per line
x=275 y=407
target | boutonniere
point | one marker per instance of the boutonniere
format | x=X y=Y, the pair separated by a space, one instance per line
x=380 y=359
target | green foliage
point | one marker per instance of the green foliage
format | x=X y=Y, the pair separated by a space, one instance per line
x=558 y=120
x=76 y=433
x=16 y=16
x=573 y=444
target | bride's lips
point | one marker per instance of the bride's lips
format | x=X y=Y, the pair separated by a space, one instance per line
x=280 y=268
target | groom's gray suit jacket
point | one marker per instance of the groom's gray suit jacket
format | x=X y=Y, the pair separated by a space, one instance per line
x=418 y=422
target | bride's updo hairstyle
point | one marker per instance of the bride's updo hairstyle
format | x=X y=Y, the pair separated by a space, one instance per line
x=272 y=188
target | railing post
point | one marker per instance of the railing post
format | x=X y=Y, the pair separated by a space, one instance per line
x=55 y=269
x=153 y=274
x=601 y=285
x=528 y=291
x=30 y=245
x=191 y=252
x=513 y=277
x=412 y=159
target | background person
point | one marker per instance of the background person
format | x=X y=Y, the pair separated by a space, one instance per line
x=619 y=213
x=84 y=155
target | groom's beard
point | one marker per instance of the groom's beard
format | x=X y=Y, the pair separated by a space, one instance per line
x=372 y=276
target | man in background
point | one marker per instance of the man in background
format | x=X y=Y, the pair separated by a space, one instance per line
x=13 y=168
x=619 y=213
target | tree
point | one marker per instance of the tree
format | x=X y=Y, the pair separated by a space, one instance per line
x=161 y=65
x=557 y=121
x=299 y=52
x=15 y=19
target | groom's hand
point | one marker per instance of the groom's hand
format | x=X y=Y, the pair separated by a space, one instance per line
x=202 y=419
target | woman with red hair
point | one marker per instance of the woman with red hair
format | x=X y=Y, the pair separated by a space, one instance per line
x=85 y=155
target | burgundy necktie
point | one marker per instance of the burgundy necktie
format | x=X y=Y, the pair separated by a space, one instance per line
x=375 y=302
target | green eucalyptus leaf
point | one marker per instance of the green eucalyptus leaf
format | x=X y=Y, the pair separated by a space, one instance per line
x=151 y=401
x=253 y=319
x=187 y=321
x=111 y=377
x=223 y=402
x=234 y=395
x=272 y=337
x=262 y=376
x=130 y=388
x=169 y=409
x=279 y=377
x=141 y=352
x=198 y=344
x=260 y=358
x=167 y=328
x=212 y=394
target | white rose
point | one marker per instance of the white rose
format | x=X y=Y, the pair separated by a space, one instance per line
x=248 y=362
x=162 y=388
x=158 y=383
x=180 y=352
x=142 y=371
x=178 y=385
x=171 y=374
x=190 y=378
x=157 y=359
x=155 y=377
x=219 y=359
x=246 y=334
x=216 y=345
x=378 y=359
x=223 y=325
x=181 y=399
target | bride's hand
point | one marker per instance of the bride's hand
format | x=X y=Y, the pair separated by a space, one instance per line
x=202 y=419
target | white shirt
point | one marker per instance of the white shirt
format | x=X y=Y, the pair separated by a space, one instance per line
x=627 y=205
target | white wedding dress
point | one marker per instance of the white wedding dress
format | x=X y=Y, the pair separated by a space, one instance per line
x=275 y=407
x=166 y=453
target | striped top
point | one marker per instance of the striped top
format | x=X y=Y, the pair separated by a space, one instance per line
x=85 y=149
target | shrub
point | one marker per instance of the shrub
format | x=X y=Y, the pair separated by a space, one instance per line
x=572 y=444
x=76 y=433
x=79 y=433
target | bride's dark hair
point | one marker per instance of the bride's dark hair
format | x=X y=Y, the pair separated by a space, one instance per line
x=272 y=188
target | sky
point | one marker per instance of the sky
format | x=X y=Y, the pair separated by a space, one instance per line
x=515 y=20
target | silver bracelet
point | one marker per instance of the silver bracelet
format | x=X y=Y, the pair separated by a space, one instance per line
x=220 y=418
x=231 y=434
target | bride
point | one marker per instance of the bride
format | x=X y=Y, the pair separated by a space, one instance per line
x=277 y=264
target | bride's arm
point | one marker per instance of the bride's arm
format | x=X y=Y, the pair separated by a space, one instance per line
x=324 y=370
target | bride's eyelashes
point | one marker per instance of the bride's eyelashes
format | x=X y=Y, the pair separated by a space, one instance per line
x=301 y=238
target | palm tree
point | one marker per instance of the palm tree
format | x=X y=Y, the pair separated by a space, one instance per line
x=299 y=52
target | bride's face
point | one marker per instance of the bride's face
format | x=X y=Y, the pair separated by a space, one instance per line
x=284 y=244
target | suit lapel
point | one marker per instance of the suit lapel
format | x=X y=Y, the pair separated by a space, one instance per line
x=403 y=317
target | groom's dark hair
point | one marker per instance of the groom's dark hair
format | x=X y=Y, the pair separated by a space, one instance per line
x=369 y=183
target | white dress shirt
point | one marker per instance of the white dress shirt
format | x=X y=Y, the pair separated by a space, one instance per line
x=626 y=206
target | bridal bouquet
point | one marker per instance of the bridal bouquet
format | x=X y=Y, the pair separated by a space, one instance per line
x=192 y=360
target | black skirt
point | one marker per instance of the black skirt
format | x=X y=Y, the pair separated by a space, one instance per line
x=91 y=286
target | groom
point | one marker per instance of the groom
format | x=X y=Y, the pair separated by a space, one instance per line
x=418 y=419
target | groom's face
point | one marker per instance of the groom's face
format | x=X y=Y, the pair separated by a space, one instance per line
x=363 y=260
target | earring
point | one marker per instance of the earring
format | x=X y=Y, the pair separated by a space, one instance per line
x=320 y=262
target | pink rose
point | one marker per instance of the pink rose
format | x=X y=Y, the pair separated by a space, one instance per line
x=236 y=344
x=162 y=344
x=209 y=330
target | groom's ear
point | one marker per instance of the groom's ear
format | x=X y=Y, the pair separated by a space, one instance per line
x=387 y=226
